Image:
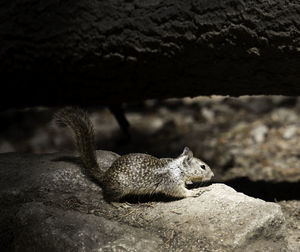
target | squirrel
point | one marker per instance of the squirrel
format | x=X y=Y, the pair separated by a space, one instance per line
x=134 y=173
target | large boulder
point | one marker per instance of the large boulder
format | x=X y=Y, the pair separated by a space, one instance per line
x=49 y=203
x=113 y=51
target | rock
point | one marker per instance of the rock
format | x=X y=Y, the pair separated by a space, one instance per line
x=226 y=219
x=289 y=132
x=259 y=133
x=53 y=229
x=208 y=114
x=48 y=203
x=291 y=211
x=284 y=116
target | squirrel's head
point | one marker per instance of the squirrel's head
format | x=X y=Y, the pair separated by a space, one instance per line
x=195 y=170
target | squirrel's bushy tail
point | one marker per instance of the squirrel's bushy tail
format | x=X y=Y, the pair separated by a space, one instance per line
x=83 y=132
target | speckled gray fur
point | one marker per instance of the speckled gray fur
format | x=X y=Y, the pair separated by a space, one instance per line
x=135 y=173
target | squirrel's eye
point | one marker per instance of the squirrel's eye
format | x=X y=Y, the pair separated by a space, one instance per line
x=203 y=167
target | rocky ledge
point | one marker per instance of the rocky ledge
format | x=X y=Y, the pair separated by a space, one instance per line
x=49 y=203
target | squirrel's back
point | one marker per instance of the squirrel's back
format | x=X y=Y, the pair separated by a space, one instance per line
x=134 y=169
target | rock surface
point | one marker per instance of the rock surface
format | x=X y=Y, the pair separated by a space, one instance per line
x=50 y=204
x=116 y=51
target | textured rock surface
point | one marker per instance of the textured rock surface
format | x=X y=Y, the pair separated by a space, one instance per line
x=53 y=229
x=49 y=204
x=93 y=52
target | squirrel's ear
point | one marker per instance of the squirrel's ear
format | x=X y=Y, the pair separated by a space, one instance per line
x=187 y=152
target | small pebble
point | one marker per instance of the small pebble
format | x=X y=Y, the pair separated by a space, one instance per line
x=259 y=133
x=289 y=132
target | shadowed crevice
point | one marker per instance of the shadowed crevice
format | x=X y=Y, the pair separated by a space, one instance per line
x=268 y=191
